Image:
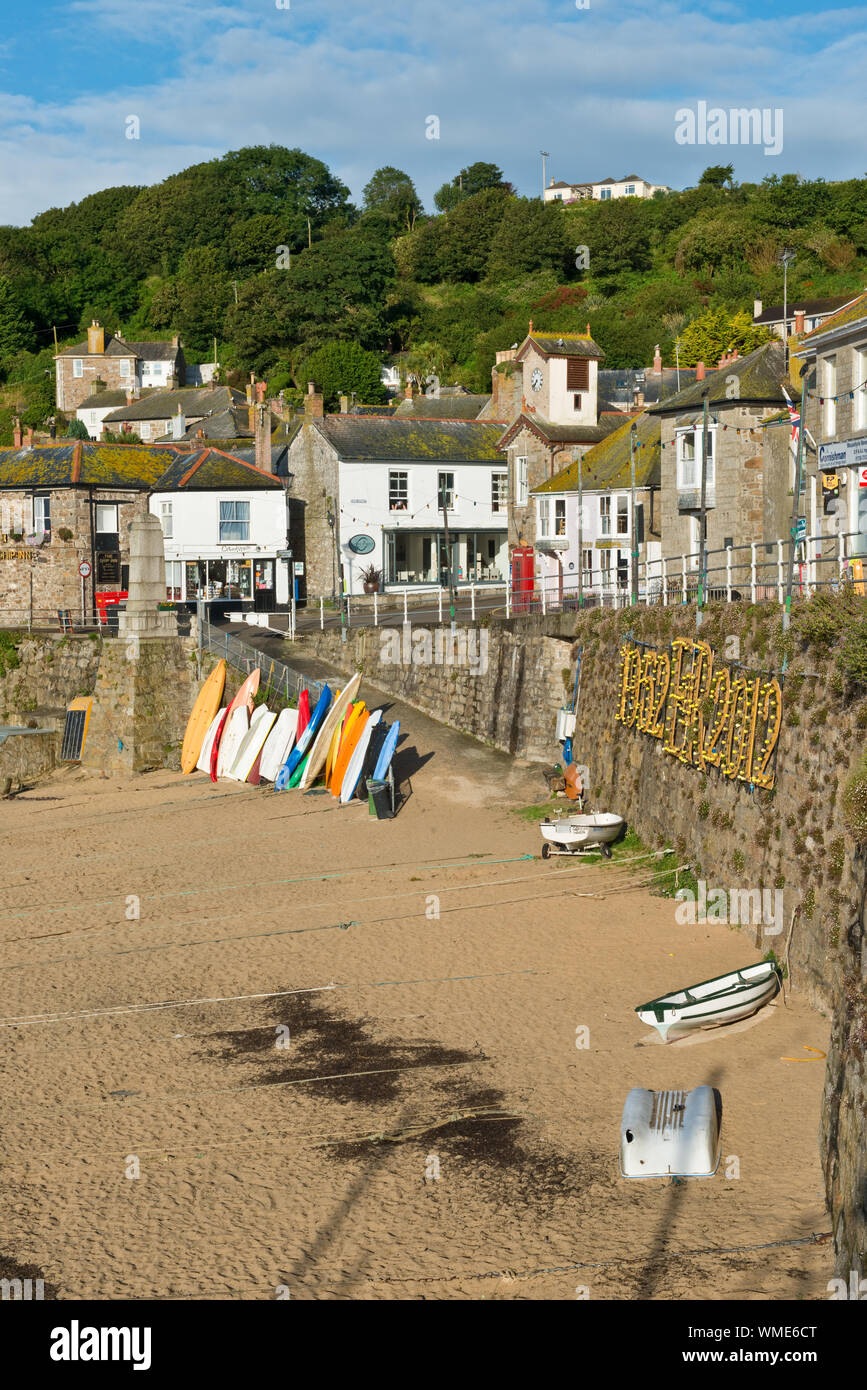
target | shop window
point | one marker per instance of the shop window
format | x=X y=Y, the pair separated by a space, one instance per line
x=234 y=521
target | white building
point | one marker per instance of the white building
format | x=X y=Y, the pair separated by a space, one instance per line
x=225 y=523
x=630 y=186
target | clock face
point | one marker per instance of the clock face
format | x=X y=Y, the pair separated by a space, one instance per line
x=536 y=379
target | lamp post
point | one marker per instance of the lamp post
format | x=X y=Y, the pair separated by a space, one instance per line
x=545 y=155
x=634 y=533
x=331 y=520
x=785 y=260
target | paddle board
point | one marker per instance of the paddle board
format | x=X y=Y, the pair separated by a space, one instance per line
x=260 y=727
x=246 y=692
x=234 y=733
x=278 y=744
x=218 y=738
x=351 y=730
x=356 y=762
x=331 y=722
x=304 y=741
x=386 y=752
x=202 y=716
x=204 y=762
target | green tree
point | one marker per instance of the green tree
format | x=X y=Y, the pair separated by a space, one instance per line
x=391 y=194
x=618 y=238
x=718 y=331
x=77 y=429
x=474 y=179
x=718 y=175
x=531 y=235
x=467 y=234
x=341 y=368
x=13 y=328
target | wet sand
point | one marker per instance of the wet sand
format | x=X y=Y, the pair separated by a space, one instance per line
x=329 y=1091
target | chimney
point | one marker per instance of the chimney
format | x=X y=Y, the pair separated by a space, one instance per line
x=699 y=371
x=200 y=434
x=314 y=406
x=263 y=438
x=16 y=432
x=657 y=361
x=495 y=390
x=261 y=388
x=179 y=425
x=95 y=339
x=28 y=438
x=638 y=398
x=408 y=391
x=530 y=329
x=249 y=391
x=799 y=320
x=344 y=405
x=757 y=308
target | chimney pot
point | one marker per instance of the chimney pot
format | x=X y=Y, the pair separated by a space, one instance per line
x=311 y=388
x=699 y=371
x=657 y=361
x=799 y=320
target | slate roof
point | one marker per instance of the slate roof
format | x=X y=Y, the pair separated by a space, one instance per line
x=608 y=464
x=760 y=376
x=232 y=423
x=101 y=399
x=132 y=467
x=562 y=434
x=618 y=384
x=561 y=345
x=853 y=310
x=423 y=441
x=462 y=407
x=162 y=405
x=157 y=352
x=119 y=347
x=807 y=306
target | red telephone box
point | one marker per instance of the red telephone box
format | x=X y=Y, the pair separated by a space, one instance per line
x=523 y=577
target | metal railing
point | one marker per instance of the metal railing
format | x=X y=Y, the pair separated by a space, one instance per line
x=278 y=679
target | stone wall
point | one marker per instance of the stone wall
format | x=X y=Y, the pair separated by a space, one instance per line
x=312 y=462
x=144 y=692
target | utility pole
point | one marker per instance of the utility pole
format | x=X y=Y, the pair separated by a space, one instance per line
x=796 y=504
x=545 y=155
x=702 y=519
x=634 y=528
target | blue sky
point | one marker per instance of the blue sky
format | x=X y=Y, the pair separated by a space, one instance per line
x=355 y=83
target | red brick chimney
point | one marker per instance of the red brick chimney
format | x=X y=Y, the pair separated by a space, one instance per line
x=314 y=404
x=699 y=371
x=28 y=438
x=16 y=433
x=657 y=361
x=799 y=320
x=261 y=388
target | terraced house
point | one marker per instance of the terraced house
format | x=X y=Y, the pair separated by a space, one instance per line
x=116 y=365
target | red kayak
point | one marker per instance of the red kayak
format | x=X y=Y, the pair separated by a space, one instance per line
x=215 y=748
x=303 y=713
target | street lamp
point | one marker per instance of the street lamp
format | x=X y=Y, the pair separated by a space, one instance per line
x=330 y=518
x=545 y=155
x=785 y=260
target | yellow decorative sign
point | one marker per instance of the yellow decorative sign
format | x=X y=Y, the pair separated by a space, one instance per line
x=723 y=718
x=18 y=554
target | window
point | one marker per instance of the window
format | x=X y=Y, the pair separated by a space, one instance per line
x=77 y=367
x=694 y=542
x=173 y=578
x=623 y=516
x=499 y=492
x=605 y=516
x=398 y=491
x=576 y=402
x=587 y=565
x=830 y=391
x=124 y=366
x=446 y=491
x=42 y=515
x=689 y=459
x=630 y=189
x=234 y=521
x=544 y=516
x=157 y=368
x=860 y=413
x=560 y=516
x=106 y=518
x=605 y=193
x=167 y=519
x=521 y=484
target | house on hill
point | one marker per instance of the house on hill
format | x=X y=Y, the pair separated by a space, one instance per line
x=162 y=415
x=117 y=364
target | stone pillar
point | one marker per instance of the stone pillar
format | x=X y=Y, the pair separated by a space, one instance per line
x=147 y=582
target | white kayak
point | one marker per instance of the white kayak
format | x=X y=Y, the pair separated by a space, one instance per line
x=234 y=734
x=356 y=762
x=278 y=744
x=260 y=726
x=204 y=760
x=712 y=1003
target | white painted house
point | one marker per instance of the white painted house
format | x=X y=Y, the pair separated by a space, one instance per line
x=630 y=186
x=225 y=523
x=393 y=476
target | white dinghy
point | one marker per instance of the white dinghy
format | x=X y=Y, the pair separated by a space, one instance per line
x=670 y=1134
x=712 y=1003
x=579 y=834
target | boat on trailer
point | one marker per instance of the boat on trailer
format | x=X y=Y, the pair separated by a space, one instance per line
x=593 y=832
x=725 y=999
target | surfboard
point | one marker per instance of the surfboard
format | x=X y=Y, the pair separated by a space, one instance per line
x=356 y=762
x=278 y=744
x=304 y=742
x=351 y=733
x=251 y=745
x=204 y=762
x=331 y=722
x=234 y=734
x=386 y=752
x=218 y=738
x=303 y=713
x=202 y=716
x=246 y=692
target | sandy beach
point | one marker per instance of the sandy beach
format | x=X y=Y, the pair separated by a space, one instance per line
x=340 y=1054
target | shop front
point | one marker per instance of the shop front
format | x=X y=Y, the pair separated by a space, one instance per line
x=424 y=557
x=246 y=581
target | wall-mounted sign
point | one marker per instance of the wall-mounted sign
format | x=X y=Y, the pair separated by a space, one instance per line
x=725 y=718
x=361 y=544
x=107 y=567
x=848 y=453
x=299 y=568
x=830 y=493
x=84 y=569
x=19 y=555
